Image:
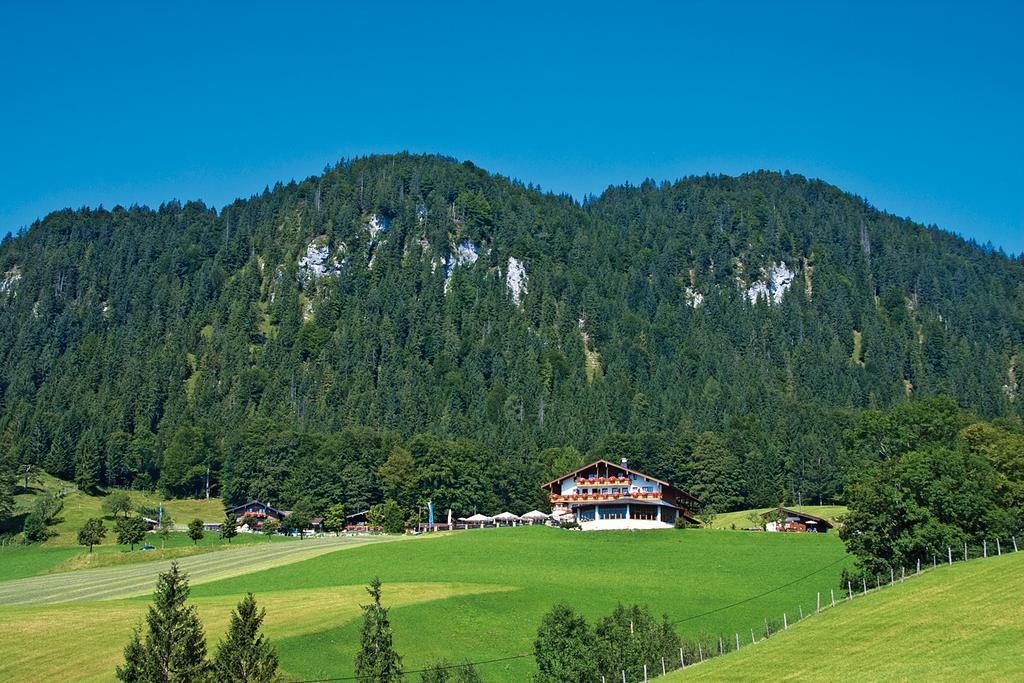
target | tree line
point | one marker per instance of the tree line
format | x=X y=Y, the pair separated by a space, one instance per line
x=188 y=349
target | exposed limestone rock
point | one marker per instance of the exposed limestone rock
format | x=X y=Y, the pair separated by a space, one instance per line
x=317 y=262
x=9 y=280
x=377 y=225
x=1012 y=386
x=516 y=279
x=773 y=284
x=693 y=297
x=465 y=253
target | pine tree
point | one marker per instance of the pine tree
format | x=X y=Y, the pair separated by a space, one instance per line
x=174 y=649
x=377 y=660
x=244 y=656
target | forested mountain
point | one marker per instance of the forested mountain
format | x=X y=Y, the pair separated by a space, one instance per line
x=411 y=327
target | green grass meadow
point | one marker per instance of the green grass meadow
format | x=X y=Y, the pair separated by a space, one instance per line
x=958 y=623
x=469 y=595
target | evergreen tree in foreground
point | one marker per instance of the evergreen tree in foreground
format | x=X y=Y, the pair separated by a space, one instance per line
x=377 y=660
x=244 y=656
x=174 y=648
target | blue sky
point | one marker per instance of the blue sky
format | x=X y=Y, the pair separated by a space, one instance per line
x=917 y=107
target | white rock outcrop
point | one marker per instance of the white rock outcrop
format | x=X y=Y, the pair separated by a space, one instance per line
x=465 y=253
x=10 y=279
x=317 y=261
x=377 y=225
x=772 y=285
x=516 y=279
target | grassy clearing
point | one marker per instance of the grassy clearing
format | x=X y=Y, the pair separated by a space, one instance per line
x=487 y=592
x=741 y=519
x=954 y=623
x=79 y=507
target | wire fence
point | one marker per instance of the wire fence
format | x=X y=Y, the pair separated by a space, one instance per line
x=706 y=646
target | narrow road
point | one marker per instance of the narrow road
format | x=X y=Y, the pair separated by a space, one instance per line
x=139 y=579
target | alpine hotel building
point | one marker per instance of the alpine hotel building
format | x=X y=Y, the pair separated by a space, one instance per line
x=603 y=495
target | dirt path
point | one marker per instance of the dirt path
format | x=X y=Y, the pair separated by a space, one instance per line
x=139 y=579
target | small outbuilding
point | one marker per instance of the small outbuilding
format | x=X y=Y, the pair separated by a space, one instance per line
x=794 y=521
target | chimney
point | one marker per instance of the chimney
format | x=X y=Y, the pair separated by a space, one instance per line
x=625 y=463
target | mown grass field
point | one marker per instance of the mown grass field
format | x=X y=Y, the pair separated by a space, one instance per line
x=469 y=595
x=963 y=622
x=743 y=519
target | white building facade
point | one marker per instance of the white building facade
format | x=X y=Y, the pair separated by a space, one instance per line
x=605 y=495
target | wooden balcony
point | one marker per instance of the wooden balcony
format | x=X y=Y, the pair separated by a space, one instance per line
x=603 y=497
x=602 y=481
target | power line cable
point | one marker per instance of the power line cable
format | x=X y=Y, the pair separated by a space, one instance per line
x=526 y=655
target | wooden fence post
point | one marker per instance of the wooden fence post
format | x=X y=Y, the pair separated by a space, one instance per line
x=849 y=590
x=737 y=641
x=984 y=548
x=645 y=673
x=682 y=662
x=767 y=632
x=752 y=641
x=801 y=612
x=999 y=548
x=892 y=576
x=623 y=676
x=1014 y=544
x=700 y=651
x=785 y=621
x=663 y=671
x=919 y=565
x=865 y=582
x=965 y=551
x=903 y=574
x=721 y=646
x=832 y=591
x=949 y=551
x=819 y=602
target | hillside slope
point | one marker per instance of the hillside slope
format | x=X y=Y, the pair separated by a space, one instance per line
x=955 y=623
x=413 y=294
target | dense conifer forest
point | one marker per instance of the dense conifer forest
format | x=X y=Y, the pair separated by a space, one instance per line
x=410 y=327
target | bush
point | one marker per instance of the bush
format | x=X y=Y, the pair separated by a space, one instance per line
x=630 y=638
x=563 y=648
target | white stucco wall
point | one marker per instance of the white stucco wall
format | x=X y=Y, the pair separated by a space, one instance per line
x=611 y=524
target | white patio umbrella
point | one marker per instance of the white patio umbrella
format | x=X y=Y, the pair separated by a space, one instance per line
x=534 y=516
x=506 y=517
x=479 y=519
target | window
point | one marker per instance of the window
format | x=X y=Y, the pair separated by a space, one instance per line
x=612 y=512
x=585 y=514
x=649 y=512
